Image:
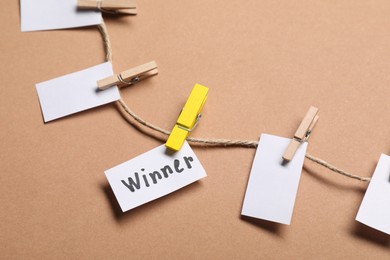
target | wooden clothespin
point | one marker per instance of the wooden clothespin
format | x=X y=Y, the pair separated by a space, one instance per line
x=109 y=6
x=188 y=118
x=302 y=134
x=129 y=77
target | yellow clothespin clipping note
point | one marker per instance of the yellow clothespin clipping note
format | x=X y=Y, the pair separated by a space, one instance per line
x=129 y=77
x=109 y=6
x=302 y=134
x=188 y=118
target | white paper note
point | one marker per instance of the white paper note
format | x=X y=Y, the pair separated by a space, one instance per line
x=75 y=92
x=55 y=14
x=153 y=174
x=375 y=208
x=272 y=186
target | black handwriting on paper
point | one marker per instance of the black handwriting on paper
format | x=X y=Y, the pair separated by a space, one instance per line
x=134 y=183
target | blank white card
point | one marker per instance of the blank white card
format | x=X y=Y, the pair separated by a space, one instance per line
x=375 y=208
x=55 y=14
x=272 y=185
x=75 y=92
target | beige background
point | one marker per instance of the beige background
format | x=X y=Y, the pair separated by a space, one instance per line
x=265 y=63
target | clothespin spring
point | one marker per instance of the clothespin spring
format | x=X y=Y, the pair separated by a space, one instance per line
x=307 y=136
x=129 y=77
x=129 y=82
x=310 y=129
x=198 y=117
x=100 y=8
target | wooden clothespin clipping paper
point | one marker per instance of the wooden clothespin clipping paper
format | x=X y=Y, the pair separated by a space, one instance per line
x=188 y=118
x=109 y=6
x=273 y=186
x=302 y=134
x=75 y=92
x=129 y=77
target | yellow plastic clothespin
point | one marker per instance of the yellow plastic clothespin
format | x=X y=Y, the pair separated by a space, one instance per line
x=188 y=118
x=109 y=6
x=302 y=134
x=129 y=77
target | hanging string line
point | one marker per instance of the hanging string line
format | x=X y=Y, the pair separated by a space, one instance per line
x=106 y=41
x=126 y=111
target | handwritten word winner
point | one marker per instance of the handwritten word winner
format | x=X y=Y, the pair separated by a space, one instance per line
x=153 y=174
x=133 y=183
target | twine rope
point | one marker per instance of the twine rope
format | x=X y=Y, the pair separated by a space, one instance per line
x=206 y=142
x=106 y=41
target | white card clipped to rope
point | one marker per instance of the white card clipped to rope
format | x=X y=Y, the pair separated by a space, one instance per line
x=154 y=174
x=39 y=15
x=75 y=92
x=275 y=173
x=273 y=184
x=375 y=208
x=88 y=88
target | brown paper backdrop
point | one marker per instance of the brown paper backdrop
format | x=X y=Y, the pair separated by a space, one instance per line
x=265 y=63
